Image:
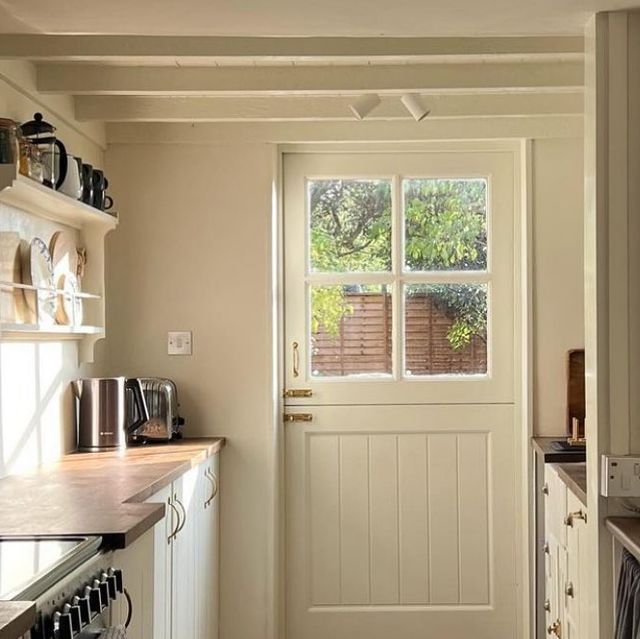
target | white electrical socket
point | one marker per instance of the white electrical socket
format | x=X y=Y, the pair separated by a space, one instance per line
x=620 y=476
x=179 y=343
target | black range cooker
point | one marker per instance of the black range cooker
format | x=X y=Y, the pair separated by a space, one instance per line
x=72 y=581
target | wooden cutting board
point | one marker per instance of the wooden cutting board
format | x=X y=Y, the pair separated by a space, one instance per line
x=12 y=302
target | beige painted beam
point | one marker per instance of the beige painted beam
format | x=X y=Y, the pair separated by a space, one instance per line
x=123 y=48
x=216 y=109
x=113 y=80
x=566 y=126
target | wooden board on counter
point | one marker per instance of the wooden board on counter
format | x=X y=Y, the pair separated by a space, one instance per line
x=98 y=493
x=16 y=618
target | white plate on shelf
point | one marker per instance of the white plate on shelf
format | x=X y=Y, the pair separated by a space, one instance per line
x=37 y=270
x=64 y=253
x=69 y=309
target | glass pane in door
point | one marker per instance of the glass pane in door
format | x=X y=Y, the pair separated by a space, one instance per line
x=350 y=225
x=350 y=330
x=445 y=222
x=445 y=329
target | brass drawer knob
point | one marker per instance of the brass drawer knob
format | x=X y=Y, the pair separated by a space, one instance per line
x=568 y=590
x=571 y=517
x=547 y=605
x=545 y=548
x=555 y=629
x=545 y=489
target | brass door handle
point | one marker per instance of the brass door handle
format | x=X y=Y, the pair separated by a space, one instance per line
x=555 y=629
x=297 y=393
x=174 y=532
x=296 y=359
x=579 y=514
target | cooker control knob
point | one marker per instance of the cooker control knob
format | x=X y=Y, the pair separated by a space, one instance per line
x=84 y=607
x=110 y=580
x=62 y=623
x=94 y=598
x=74 y=614
x=117 y=573
x=104 y=592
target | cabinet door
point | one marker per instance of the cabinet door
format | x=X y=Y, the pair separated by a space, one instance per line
x=162 y=551
x=208 y=549
x=184 y=559
x=137 y=563
x=574 y=597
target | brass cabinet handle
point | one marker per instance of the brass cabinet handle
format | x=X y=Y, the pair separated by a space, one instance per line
x=175 y=530
x=579 y=514
x=545 y=489
x=296 y=359
x=210 y=475
x=547 y=605
x=184 y=513
x=555 y=629
x=568 y=590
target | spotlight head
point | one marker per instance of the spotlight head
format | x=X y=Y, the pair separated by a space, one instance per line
x=413 y=104
x=362 y=106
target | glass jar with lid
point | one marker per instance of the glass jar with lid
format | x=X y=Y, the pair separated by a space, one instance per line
x=9 y=141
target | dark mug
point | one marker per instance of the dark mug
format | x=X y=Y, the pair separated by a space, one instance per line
x=98 y=189
x=108 y=201
x=87 y=184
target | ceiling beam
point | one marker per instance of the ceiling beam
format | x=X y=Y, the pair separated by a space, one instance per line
x=566 y=126
x=79 y=79
x=274 y=109
x=123 y=48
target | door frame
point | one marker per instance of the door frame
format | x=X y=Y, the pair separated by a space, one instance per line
x=521 y=151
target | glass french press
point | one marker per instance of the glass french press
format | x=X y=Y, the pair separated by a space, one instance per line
x=41 y=134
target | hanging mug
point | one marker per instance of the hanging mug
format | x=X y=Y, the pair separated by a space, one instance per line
x=98 y=189
x=108 y=200
x=87 y=184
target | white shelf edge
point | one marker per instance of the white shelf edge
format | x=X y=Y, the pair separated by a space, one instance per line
x=53 y=329
x=34 y=198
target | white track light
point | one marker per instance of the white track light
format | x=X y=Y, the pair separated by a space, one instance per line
x=364 y=105
x=413 y=104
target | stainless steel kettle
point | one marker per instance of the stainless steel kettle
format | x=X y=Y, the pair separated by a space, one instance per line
x=102 y=412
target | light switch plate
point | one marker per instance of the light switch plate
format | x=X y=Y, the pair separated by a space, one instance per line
x=179 y=343
x=620 y=476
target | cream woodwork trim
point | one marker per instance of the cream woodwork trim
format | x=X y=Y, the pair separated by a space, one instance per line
x=122 y=48
x=114 y=80
x=304 y=108
x=341 y=132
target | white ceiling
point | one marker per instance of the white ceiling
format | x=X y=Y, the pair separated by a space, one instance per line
x=303 y=17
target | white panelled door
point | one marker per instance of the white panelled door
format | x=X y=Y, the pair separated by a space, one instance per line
x=399 y=334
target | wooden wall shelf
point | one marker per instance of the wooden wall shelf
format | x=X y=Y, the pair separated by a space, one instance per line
x=43 y=203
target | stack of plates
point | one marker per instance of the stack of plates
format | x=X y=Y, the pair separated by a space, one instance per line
x=37 y=270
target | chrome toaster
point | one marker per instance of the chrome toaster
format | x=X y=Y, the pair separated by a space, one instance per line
x=164 y=422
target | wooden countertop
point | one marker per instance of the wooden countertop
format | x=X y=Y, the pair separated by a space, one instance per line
x=574 y=475
x=16 y=618
x=542 y=446
x=627 y=531
x=98 y=493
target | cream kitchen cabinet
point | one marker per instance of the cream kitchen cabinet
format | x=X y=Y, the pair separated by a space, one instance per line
x=565 y=518
x=186 y=556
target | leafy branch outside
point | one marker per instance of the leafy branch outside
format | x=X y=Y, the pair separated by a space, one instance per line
x=445 y=229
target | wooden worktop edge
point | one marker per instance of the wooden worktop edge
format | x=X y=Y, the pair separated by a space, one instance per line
x=619 y=527
x=16 y=618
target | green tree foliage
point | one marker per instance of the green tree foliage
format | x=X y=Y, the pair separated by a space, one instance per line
x=445 y=229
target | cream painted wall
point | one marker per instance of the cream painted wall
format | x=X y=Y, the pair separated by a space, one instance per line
x=193 y=252
x=36 y=420
x=558 y=274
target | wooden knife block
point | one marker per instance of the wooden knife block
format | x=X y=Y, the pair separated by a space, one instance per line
x=576 y=406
